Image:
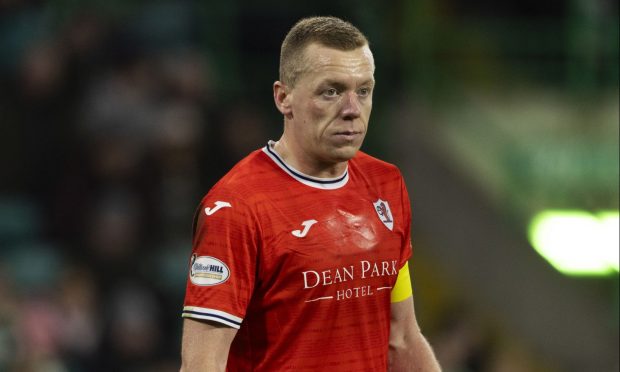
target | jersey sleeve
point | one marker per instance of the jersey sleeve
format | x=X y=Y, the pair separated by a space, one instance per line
x=406 y=245
x=222 y=268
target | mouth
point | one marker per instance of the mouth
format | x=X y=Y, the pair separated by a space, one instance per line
x=347 y=135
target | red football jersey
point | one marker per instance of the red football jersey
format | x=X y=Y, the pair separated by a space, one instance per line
x=302 y=266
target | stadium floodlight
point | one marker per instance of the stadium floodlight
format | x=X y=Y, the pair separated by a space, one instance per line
x=577 y=242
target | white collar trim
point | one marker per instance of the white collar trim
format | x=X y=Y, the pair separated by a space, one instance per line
x=316 y=182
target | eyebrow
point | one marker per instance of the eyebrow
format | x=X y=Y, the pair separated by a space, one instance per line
x=339 y=84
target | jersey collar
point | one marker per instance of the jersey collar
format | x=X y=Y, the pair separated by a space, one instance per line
x=316 y=182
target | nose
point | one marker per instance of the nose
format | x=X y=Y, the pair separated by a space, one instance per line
x=351 y=106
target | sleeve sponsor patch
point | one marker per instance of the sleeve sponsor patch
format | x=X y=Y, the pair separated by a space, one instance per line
x=208 y=271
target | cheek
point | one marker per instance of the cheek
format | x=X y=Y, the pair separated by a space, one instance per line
x=366 y=113
x=319 y=115
x=367 y=107
x=319 y=109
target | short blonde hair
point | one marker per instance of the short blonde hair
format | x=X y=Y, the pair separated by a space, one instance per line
x=331 y=32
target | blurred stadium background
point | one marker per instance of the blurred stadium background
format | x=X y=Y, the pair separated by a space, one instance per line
x=117 y=116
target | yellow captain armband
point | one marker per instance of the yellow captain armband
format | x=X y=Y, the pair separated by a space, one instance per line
x=402 y=289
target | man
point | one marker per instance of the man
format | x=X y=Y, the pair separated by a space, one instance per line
x=297 y=250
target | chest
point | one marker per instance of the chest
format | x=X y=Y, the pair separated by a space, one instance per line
x=348 y=235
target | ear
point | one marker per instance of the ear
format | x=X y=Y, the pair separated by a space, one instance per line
x=282 y=98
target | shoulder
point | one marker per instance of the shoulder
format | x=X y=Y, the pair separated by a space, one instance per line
x=242 y=180
x=383 y=178
x=372 y=166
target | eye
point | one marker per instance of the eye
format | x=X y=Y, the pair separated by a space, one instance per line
x=330 y=92
x=364 y=92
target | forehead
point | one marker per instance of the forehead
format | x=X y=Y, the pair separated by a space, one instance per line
x=323 y=62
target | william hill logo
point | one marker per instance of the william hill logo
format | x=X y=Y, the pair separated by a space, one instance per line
x=207 y=271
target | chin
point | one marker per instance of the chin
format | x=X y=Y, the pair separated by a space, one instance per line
x=345 y=153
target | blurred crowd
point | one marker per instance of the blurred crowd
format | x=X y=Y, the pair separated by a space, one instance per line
x=108 y=144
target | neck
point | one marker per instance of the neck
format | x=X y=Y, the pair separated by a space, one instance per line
x=304 y=162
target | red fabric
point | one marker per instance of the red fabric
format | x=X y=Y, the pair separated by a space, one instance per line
x=316 y=302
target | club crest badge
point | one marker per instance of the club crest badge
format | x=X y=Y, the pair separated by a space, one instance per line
x=385 y=214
